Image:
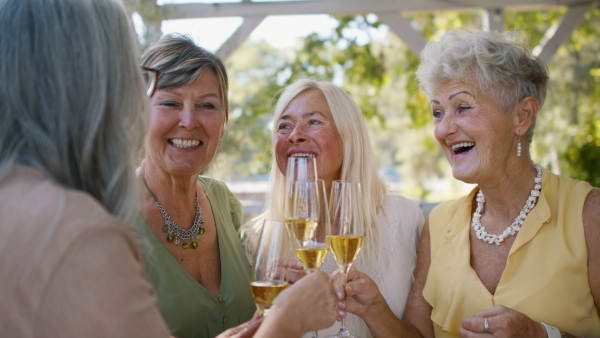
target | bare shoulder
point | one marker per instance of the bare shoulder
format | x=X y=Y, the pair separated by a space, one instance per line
x=591 y=213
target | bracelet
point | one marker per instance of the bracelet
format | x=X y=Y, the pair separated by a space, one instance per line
x=552 y=331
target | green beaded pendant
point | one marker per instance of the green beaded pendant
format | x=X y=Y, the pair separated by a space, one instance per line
x=165 y=228
x=201 y=231
x=170 y=238
x=185 y=245
x=194 y=245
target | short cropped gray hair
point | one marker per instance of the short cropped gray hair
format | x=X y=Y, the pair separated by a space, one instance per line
x=500 y=64
x=71 y=96
x=180 y=62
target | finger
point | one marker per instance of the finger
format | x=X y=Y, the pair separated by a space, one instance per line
x=477 y=324
x=339 y=287
x=250 y=329
x=295 y=264
x=293 y=276
x=466 y=333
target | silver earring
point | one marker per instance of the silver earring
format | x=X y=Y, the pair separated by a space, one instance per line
x=519 y=147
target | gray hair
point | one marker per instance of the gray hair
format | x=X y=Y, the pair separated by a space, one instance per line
x=72 y=96
x=500 y=64
x=180 y=62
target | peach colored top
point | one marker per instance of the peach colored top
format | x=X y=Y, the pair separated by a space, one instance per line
x=546 y=274
x=68 y=268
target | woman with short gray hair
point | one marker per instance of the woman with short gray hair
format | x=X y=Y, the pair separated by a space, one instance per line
x=519 y=255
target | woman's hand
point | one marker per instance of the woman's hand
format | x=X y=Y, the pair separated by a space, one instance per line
x=360 y=294
x=308 y=305
x=502 y=322
x=246 y=330
x=289 y=269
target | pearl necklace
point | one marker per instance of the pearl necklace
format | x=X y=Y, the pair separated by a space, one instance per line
x=516 y=225
x=175 y=232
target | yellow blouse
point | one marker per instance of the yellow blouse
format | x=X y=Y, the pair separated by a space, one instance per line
x=546 y=274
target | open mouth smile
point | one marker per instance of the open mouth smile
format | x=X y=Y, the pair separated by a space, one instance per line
x=303 y=155
x=463 y=147
x=179 y=143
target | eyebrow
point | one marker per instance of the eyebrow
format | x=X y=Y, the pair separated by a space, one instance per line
x=454 y=95
x=176 y=92
x=310 y=113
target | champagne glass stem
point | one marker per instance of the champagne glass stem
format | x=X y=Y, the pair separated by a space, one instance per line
x=344 y=274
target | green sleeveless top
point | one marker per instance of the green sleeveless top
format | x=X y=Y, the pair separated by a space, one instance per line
x=187 y=307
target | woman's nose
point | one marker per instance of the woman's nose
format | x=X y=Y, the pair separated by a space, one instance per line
x=298 y=135
x=446 y=127
x=188 y=118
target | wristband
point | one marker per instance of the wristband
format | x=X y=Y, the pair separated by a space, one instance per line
x=552 y=331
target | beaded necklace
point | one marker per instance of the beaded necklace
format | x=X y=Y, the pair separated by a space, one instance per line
x=175 y=232
x=516 y=225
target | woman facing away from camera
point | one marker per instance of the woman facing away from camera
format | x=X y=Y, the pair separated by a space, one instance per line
x=72 y=106
x=319 y=119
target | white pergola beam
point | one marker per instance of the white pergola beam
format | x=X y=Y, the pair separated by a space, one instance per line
x=239 y=36
x=493 y=19
x=343 y=7
x=561 y=30
x=399 y=25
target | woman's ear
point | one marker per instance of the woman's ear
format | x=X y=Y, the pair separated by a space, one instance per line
x=526 y=112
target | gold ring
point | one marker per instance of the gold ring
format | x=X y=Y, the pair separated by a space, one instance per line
x=486 y=325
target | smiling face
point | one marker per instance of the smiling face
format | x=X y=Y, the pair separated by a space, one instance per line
x=306 y=128
x=476 y=136
x=186 y=126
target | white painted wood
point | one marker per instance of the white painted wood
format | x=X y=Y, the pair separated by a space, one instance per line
x=399 y=25
x=340 y=7
x=239 y=36
x=493 y=19
x=561 y=30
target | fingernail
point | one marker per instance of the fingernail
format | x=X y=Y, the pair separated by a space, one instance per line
x=339 y=295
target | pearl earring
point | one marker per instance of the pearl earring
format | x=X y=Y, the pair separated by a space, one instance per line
x=519 y=147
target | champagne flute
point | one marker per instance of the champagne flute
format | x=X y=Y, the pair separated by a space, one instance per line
x=347 y=230
x=271 y=261
x=311 y=225
x=298 y=169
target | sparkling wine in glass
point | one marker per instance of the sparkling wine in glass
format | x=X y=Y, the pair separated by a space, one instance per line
x=270 y=264
x=347 y=230
x=310 y=225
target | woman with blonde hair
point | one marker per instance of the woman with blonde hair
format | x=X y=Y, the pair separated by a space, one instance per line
x=319 y=119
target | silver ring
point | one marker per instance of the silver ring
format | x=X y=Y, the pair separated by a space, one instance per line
x=486 y=325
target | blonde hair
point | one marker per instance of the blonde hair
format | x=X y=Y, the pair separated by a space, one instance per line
x=72 y=97
x=358 y=162
x=501 y=65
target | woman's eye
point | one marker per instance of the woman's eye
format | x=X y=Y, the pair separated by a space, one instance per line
x=167 y=103
x=207 y=105
x=314 y=122
x=283 y=127
x=463 y=109
x=438 y=114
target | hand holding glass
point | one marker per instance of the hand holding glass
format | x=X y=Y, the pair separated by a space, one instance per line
x=347 y=230
x=270 y=265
